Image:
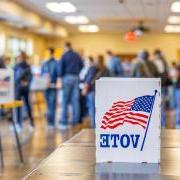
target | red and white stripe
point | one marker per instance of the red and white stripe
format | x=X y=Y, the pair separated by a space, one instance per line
x=120 y=113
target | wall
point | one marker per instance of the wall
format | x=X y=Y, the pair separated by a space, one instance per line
x=100 y=42
x=39 y=42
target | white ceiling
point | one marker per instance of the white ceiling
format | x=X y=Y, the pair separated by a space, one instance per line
x=110 y=15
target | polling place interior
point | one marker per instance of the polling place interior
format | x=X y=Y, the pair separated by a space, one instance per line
x=54 y=52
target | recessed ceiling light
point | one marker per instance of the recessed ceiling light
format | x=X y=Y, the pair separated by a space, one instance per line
x=172 y=29
x=174 y=20
x=77 y=19
x=88 y=28
x=175 y=7
x=62 y=7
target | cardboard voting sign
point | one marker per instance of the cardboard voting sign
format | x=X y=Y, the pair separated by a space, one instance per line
x=128 y=120
x=6 y=86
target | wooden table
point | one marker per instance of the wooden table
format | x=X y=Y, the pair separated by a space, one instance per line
x=75 y=160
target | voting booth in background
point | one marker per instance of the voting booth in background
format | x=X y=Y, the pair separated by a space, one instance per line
x=7 y=101
x=6 y=86
x=128 y=120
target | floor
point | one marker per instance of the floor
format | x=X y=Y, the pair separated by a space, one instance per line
x=37 y=145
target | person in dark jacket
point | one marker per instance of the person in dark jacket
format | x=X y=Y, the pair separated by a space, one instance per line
x=145 y=68
x=23 y=77
x=95 y=72
x=162 y=67
x=69 y=68
x=50 y=74
x=178 y=98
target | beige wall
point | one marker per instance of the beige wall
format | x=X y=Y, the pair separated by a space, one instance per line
x=39 y=42
x=99 y=43
x=93 y=44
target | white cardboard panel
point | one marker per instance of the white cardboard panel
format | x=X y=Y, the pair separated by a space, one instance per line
x=109 y=90
x=6 y=86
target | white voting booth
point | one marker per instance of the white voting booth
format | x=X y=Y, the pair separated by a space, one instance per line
x=6 y=86
x=128 y=120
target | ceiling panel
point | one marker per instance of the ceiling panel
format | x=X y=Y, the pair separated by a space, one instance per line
x=110 y=14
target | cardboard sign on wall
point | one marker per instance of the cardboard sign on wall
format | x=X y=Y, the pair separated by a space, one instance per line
x=6 y=86
x=128 y=120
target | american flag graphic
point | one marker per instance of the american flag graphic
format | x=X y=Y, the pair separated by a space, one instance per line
x=135 y=112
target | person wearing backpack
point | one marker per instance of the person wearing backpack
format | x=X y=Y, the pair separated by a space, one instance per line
x=144 y=67
x=23 y=77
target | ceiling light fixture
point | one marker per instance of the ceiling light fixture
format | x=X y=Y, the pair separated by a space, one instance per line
x=172 y=29
x=174 y=20
x=175 y=7
x=62 y=7
x=88 y=28
x=77 y=19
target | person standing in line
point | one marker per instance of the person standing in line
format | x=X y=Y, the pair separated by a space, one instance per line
x=136 y=63
x=88 y=62
x=162 y=68
x=172 y=88
x=145 y=68
x=114 y=65
x=127 y=67
x=95 y=72
x=68 y=69
x=49 y=72
x=23 y=77
x=178 y=98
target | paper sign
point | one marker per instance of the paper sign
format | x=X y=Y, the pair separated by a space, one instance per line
x=128 y=120
x=6 y=86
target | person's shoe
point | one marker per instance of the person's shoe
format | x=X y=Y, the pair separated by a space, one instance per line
x=62 y=127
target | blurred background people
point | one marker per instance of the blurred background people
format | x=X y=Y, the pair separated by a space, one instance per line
x=172 y=88
x=8 y=62
x=127 y=67
x=114 y=65
x=88 y=62
x=95 y=72
x=144 y=66
x=50 y=74
x=23 y=77
x=136 y=63
x=162 y=67
x=69 y=68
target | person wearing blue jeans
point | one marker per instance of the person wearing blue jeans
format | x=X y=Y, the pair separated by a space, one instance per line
x=70 y=94
x=50 y=96
x=50 y=74
x=68 y=70
x=163 y=106
x=91 y=107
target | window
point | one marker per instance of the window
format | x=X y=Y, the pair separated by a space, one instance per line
x=15 y=45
